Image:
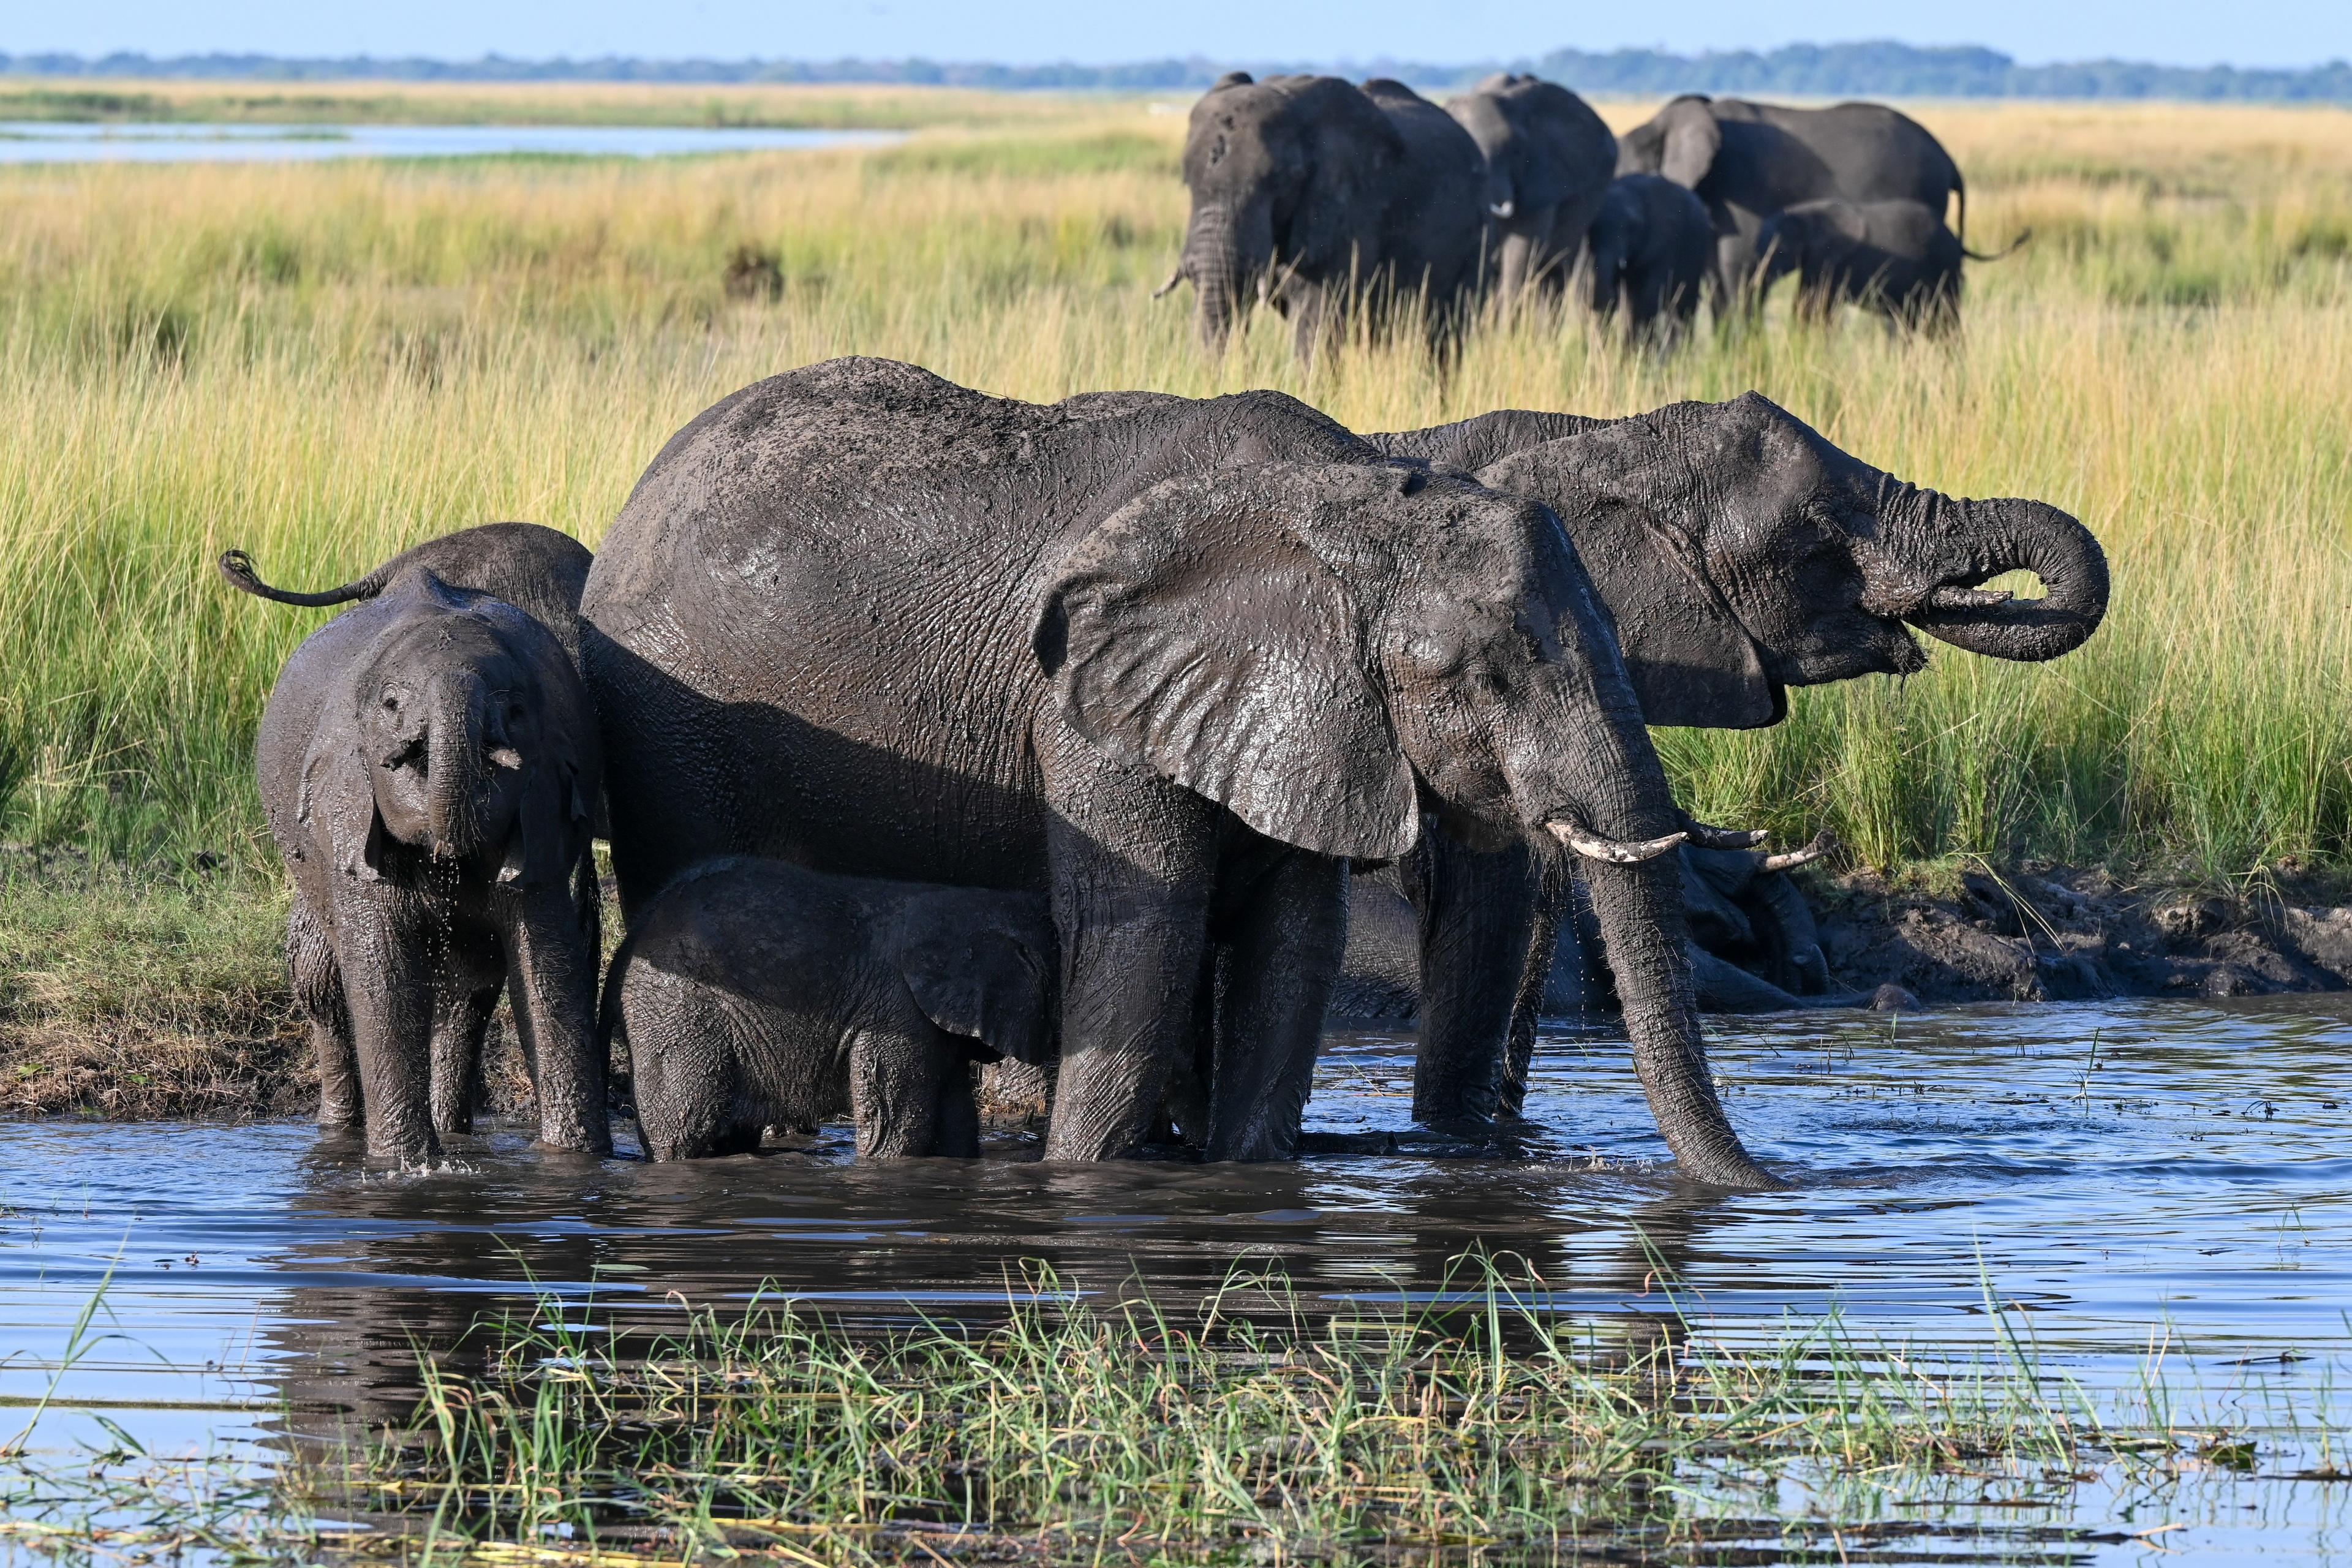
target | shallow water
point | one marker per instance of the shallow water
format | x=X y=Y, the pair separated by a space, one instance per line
x=2187 y=1186
x=53 y=142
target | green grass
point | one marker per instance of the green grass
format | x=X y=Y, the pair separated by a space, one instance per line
x=322 y=365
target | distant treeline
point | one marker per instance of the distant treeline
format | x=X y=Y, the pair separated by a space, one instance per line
x=1886 y=70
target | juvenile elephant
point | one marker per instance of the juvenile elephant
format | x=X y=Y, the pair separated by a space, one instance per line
x=752 y=994
x=1318 y=196
x=1894 y=257
x=1651 y=248
x=1738 y=554
x=1747 y=160
x=1174 y=663
x=1548 y=159
x=427 y=761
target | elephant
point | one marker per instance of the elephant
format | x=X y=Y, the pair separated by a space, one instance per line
x=428 y=762
x=1894 y=257
x=1548 y=159
x=1174 y=663
x=1747 y=160
x=1320 y=197
x=1737 y=554
x=752 y=994
x=1650 y=246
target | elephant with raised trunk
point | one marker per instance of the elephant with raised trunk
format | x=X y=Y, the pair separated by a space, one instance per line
x=429 y=765
x=1174 y=663
x=1749 y=160
x=1548 y=161
x=1738 y=554
x=1318 y=197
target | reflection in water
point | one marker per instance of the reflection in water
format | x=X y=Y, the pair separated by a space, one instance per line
x=2193 y=1175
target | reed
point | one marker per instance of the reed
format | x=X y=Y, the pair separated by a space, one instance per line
x=322 y=363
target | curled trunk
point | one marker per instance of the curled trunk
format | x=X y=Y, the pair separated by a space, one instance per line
x=1947 y=548
x=457 y=767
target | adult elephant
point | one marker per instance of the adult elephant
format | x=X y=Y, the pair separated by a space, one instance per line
x=1550 y=160
x=1749 y=160
x=1318 y=196
x=1738 y=554
x=1174 y=663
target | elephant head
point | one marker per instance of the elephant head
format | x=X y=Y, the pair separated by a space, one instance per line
x=1284 y=174
x=1741 y=553
x=469 y=739
x=1679 y=141
x=1548 y=159
x=1329 y=650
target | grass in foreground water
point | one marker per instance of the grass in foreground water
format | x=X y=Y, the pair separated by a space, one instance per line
x=323 y=364
x=1255 y=1427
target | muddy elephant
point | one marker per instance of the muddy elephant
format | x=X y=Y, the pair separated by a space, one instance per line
x=428 y=762
x=1651 y=249
x=752 y=994
x=1548 y=161
x=1172 y=663
x=1738 y=554
x=1321 y=198
x=1895 y=258
x=1747 y=160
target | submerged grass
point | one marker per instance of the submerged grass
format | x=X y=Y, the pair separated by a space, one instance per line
x=1255 y=1427
x=323 y=364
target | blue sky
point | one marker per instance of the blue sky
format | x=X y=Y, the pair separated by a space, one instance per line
x=2188 y=32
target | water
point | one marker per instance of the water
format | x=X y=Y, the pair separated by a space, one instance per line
x=49 y=142
x=2191 y=1181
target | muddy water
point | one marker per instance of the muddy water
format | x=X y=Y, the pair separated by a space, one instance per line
x=2110 y=1176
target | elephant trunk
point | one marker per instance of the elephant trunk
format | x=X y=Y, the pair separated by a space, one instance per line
x=1514 y=259
x=457 y=767
x=1213 y=261
x=1946 y=548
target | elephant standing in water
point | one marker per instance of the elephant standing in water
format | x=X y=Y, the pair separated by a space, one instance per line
x=1548 y=161
x=1738 y=554
x=1172 y=663
x=1747 y=160
x=1318 y=196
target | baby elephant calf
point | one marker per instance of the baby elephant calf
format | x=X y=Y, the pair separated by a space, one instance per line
x=1894 y=257
x=752 y=994
x=1652 y=249
x=428 y=762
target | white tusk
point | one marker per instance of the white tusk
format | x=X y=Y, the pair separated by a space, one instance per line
x=506 y=757
x=1711 y=837
x=1502 y=210
x=1173 y=279
x=1824 y=842
x=1613 y=851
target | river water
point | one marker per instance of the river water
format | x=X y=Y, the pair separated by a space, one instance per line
x=2114 y=1178
x=59 y=141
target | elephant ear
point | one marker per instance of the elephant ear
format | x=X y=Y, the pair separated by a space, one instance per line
x=560 y=795
x=980 y=965
x=1197 y=635
x=1351 y=148
x=1617 y=490
x=1693 y=136
x=336 y=803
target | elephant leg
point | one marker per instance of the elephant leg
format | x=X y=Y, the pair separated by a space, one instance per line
x=468 y=980
x=900 y=1079
x=388 y=994
x=551 y=956
x=1286 y=935
x=1553 y=915
x=318 y=985
x=1311 y=308
x=1477 y=918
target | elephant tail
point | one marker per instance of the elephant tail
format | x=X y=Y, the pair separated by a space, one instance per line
x=2008 y=249
x=237 y=567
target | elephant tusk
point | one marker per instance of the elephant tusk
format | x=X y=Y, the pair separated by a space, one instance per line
x=506 y=757
x=1949 y=598
x=1824 y=842
x=1502 y=210
x=1616 y=852
x=1708 y=837
x=1173 y=279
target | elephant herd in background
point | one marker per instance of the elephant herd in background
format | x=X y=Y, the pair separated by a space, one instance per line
x=1318 y=198
x=929 y=728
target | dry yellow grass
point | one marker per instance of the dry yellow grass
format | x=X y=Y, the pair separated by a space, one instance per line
x=322 y=363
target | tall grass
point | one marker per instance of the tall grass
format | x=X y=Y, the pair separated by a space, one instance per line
x=324 y=363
